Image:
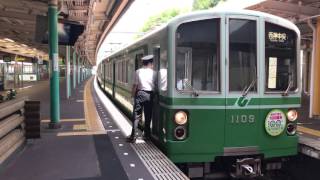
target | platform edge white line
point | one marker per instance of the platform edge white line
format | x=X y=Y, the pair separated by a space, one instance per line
x=120 y=119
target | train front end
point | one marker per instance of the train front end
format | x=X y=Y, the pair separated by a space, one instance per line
x=233 y=90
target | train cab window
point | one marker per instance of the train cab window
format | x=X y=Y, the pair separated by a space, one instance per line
x=242 y=55
x=197 y=56
x=280 y=58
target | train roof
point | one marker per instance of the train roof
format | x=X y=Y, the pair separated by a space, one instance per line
x=210 y=14
x=149 y=34
x=222 y=12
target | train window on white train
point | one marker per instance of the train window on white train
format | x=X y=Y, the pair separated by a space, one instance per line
x=280 y=58
x=197 y=56
x=242 y=55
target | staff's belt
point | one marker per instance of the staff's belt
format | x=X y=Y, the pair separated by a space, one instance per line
x=149 y=92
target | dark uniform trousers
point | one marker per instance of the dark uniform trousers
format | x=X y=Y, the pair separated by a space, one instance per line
x=142 y=100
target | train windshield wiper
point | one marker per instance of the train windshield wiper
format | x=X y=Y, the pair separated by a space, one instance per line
x=285 y=93
x=247 y=89
x=194 y=92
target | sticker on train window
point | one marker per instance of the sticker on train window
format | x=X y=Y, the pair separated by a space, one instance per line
x=272 y=75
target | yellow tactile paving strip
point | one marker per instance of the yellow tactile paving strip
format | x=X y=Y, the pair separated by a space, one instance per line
x=308 y=131
x=92 y=123
x=92 y=117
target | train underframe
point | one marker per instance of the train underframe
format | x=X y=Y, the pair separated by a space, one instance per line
x=235 y=167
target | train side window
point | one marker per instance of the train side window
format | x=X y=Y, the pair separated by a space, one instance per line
x=280 y=58
x=242 y=55
x=197 y=56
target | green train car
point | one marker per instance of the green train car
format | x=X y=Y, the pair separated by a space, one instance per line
x=227 y=89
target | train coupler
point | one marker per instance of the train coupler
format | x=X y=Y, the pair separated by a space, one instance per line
x=247 y=167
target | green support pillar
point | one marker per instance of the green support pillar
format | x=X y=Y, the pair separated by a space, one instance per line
x=74 y=75
x=78 y=69
x=54 y=57
x=68 y=84
x=22 y=68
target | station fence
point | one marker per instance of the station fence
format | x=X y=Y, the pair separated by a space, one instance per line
x=19 y=120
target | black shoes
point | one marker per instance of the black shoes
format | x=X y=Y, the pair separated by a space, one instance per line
x=146 y=138
x=131 y=139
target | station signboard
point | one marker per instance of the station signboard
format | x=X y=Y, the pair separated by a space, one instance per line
x=68 y=31
x=6 y=58
x=20 y=58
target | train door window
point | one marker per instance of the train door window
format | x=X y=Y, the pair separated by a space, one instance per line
x=126 y=69
x=163 y=71
x=138 y=62
x=108 y=71
x=118 y=75
x=120 y=71
x=131 y=72
x=242 y=55
x=156 y=59
x=197 y=56
x=115 y=71
x=280 y=58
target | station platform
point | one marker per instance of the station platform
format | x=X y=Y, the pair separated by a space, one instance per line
x=308 y=131
x=90 y=145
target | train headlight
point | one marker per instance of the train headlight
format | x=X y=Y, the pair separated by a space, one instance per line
x=292 y=115
x=180 y=118
x=291 y=129
x=180 y=132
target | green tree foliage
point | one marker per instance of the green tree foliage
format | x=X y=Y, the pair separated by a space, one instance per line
x=166 y=15
x=204 y=4
x=159 y=19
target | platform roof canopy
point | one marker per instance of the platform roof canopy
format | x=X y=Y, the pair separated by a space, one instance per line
x=18 y=21
x=297 y=11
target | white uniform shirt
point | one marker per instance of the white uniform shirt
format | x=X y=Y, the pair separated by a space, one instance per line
x=144 y=79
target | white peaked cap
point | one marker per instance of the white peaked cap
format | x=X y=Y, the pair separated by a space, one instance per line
x=147 y=57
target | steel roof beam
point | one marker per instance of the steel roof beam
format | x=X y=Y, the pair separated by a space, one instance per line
x=21 y=16
x=286 y=7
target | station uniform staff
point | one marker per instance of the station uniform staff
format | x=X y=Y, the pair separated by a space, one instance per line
x=142 y=91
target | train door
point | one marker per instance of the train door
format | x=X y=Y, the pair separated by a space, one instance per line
x=156 y=107
x=242 y=93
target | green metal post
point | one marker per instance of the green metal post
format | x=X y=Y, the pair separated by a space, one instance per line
x=74 y=69
x=22 y=68
x=78 y=69
x=68 y=84
x=53 y=55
